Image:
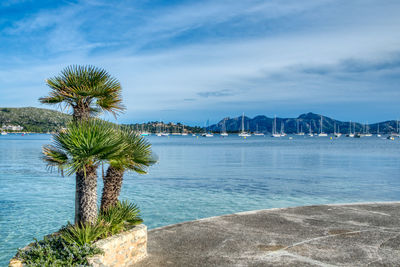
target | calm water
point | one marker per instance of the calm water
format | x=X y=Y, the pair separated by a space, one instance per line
x=201 y=177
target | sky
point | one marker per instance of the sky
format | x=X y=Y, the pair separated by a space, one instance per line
x=190 y=61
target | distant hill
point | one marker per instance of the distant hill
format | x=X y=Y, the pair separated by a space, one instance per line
x=47 y=120
x=304 y=123
x=34 y=119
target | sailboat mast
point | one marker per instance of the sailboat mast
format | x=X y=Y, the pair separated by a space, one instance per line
x=321 y=124
x=243 y=122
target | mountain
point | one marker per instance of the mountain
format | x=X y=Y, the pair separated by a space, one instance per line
x=34 y=119
x=304 y=123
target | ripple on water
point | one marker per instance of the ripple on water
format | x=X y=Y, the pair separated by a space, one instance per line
x=198 y=178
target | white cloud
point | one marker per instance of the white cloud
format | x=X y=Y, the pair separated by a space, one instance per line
x=261 y=68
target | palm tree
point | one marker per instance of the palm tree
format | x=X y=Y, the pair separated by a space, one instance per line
x=136 y=157
x=80 y=149
x=88 y=90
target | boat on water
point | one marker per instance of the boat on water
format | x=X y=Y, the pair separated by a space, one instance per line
x=321 y=133
x=366 y=130
x=223 y=132
x=274 y=133
x=350 y=134
x=258 y=133
x=299 y=132
x=207 y=135
x=377 y=132
x=310 y=133
x=162 y=130
x=143 y=132
x=184 y=133
x=243 y=133
x=3 y=133
x=283 y=129
x=337 y=133
x=358 y=135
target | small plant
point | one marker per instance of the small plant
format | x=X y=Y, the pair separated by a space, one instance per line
x=120 y=217
x=54 y=251
x=83 y=234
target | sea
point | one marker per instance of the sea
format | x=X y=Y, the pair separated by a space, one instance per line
x=197 y=177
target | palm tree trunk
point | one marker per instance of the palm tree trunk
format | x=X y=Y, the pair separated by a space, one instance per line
x=112 y=187
x=86 y=196
x=80 y=114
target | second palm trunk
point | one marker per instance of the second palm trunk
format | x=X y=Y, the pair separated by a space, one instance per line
x=112 y=187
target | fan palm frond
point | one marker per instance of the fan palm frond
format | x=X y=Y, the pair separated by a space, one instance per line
x=83 y=144
x=87 y=89
x=137 y=156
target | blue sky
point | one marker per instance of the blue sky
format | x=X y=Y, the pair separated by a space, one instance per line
x=190 y=61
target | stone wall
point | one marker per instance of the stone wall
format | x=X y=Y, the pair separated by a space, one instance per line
x=123 y=249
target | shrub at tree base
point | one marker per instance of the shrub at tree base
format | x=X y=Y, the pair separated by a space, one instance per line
x=74 y=243
x=54 y=251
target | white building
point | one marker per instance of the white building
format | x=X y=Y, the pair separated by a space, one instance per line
x=12 y=127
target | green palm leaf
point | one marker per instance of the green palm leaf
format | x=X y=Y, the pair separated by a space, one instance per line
x=86 y=89
x=87 y=143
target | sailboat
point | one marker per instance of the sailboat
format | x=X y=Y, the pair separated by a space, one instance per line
x=336 y=134
x=321 y=133
x=257 y=133
x=310 y=134
x=144 y=133
x=243 y=133
x=206 y=134
x=377 y=132
x=350 y=134
x=165 y=133
x=223 y=132
x=184 y=133
x=158 y=129
x=367 y=130
x=274 y=133
x=283 y=129
x=3 y=133
x=301 y=130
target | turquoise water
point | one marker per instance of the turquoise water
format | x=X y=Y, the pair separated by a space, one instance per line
x=201 y=177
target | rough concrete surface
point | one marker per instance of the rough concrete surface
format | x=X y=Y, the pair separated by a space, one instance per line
x=325 y=235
